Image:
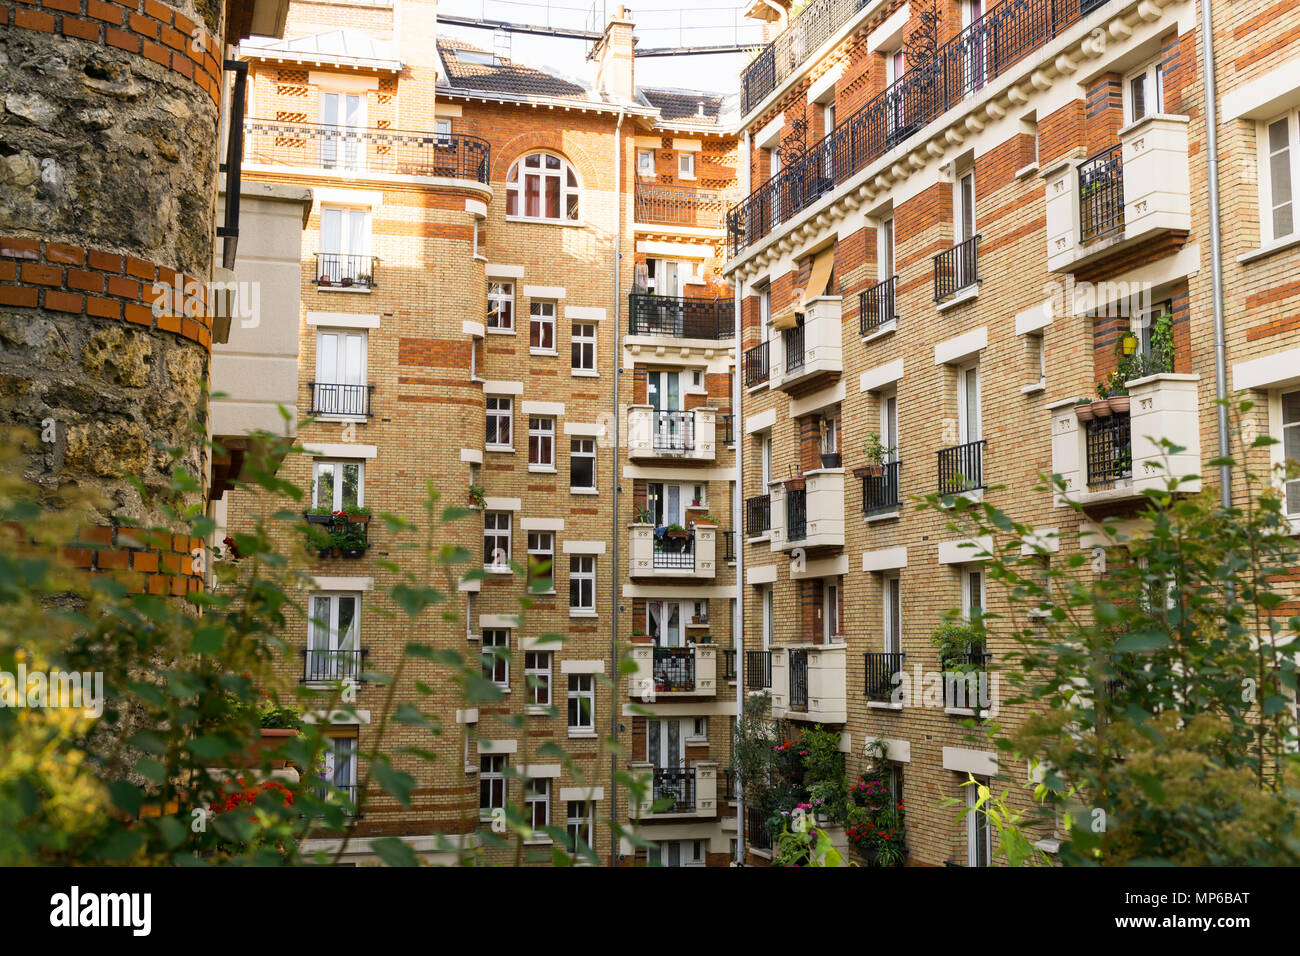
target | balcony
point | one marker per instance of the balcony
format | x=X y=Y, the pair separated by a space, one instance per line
x=324 y=666
x=961 y=67
x=758 y=670
x=966 y=681
x=683 y=207
x=880 y=492
x=657 y=554
x=1117 y=456
x=757 y=364
x=758 y=515
x=811 y=516
x=350 y=151
x=757 y=835
x=673 y=793
x=337 y=398
x=956 y=271
x=689 y=671
x=961 y=468
x=816 y=23
x=681 y=317
x=676 y=435
x=1123 y=196
x=809 y=355
x=337 y=271
x=808 y=683
x=876 y=308
x=879 y=670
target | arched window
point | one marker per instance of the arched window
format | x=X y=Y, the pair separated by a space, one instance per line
x=542 y=186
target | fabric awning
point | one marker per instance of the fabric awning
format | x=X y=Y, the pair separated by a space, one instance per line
x=817 y=279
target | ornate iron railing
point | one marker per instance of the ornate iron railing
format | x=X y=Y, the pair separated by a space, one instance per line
x=796 y=514
x=674 y=669
x=956 y=268
x=675 y=553
x=679 y=205
x=355 y=149
x=672 y=431
x=683 y=317
x=814 y=25
x=756 y=364
x=876 y=306
x=798 y=679
x=1101 y=194
x=674 y=789
x=1109 y=443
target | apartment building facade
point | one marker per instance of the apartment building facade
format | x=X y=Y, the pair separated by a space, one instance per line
x=960 y=217
x=478 y=242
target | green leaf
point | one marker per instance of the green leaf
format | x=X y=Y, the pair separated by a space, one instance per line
x=396 y=783
x=393 y=852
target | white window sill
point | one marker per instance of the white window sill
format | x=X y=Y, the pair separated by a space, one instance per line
x=1049 y=846
x=495 y=569
x=884 y=705
x=584 y=491
x=584 y=373
x=550 y=593
x=571 y=223
x=886 y=516
x=759 y=387
x=582 y=734
x=363 y=290
x=882 y=330
x=549 y=353
x=356 y=419
x=539 y=841
x=1270 y=247
x=1024 y=172
x=765 y=536
x=542 y=469
x=491 y=331
x=968 y=294
x=965 y=712
x=470 y=768
x=582 y=613
x=500 y=448
x=1034 y=389
x=538 y=710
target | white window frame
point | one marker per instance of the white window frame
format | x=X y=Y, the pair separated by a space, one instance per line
x=885 y=251
x=582 y=570
x=685 y=165
x=541 y=428
x=537 y=793
x=969 y=575
x=831 y=598
x=501 y=307
x=346 y=138
x=496 y=666
x=334 y=641
x=644 y=168
x=1153 y=81
x=580 y=818
x=501 y=408
x=332 y=763
x=1267 y=230
x=891 y=613
x=977 y=826
x=1280 y=430
x=582 y=348
x=541 y=315
x=582 y=448
x=344 y=403
x=569 y=186
x=496 y=533
x=346 y=245
x=769 y=615
x=442 y=130
x=967 y=430
x=338 y=464
x=581 y=687
x=492 y=770
x=541 y=545
x=538 y=665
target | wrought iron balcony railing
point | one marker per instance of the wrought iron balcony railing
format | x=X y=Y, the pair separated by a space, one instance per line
x=964 y=683
x=757 y=834
x=1101 y=194
x=674 y=789
x=334 y=398
x=672 y=431
x=956 y=268
x=355 y=149
x=796 y=514
x=728 y=546
x=758 y=515
x=679 y=205
x=334 y=269
x=1109 y=443
x=322 y=665
x=726 y=428
x=758 y=670
x=961 y=468
x=674 y=553
x=756 y=364
x=674 y=669
x=793 y=340
x=798 y=679
x=876 y=306
x=984 y=50
x=683 y=317
x=880 y=669
x=880 y=492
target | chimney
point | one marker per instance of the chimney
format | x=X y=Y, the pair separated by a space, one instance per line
x=415 y=25
x=613 y=56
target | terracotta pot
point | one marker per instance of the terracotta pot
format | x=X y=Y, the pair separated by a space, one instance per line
x=1083 y=412
x=358 y=519
x=1101 y=408
x=271 y=738
x=1119 y=404
x=795 y=484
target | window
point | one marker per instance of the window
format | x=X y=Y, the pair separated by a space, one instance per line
x=344 y=117
x=338 y=767
x=337 y=484
x=582 y=464
x=769 y=616
x=765 y=314
x=501 y=306
x=542 y=186
x=885 y=249
x=579 y=822
x=964 y=206
x=333 y=638
x=537 y=675
x=1278 y=156
x=892 y=614
x=541 y=327
x=969 y=424
x=442 y=127
x=582 y=702
x=830 y=429
x=1144 y=92
x=496 y=540
x=541 y=559
x=686 y=165
x=699 y=727
x=972 y=594
x=979 y=837
x=541 y=442
x=677 y=853
x=831 y=613
x=583 y=346
x=491 y=783
x=1036 y=357
x=340 y=386
x=344 y=258
x=500 y=423
x=582 y=583
x=1291 y=447
x=537 y=805
x=496 y=656
x=645 y=162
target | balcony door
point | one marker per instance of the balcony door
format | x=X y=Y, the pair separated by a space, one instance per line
x=665 y=276
x=664 y=621
x=345 y=246
x=963 y=227
x=342 y=144
x=340 y=373
x=664 y=393
x=830 y=612
x=664 y=502
x=338 y=766
x=892 y=606
x=665 y=743
x=889 y=427
x=979 y=835
x=971 y=12
x=885 y=252
x=969 y=424
x=332 y=638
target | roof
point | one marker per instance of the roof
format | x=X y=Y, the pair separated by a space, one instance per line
x=468 y=67
x=344 y=46
x=679 y=107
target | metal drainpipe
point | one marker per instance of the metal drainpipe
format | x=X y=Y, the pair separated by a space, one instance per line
x=615 y=478
x=1216 y=250
x=737 y=534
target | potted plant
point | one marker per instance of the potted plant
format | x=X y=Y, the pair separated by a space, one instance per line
x=478 y=496
x=347 y=281
x=364 y=281
x=875 y=452
x=831 y=459
x=319 y=515
x=643 y=516
x=1083 y=410
x=957 y=640
x=357 y=514
x=352 y=540
x=675 y=530
x=795 y=482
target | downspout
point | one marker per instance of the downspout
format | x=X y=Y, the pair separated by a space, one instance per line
x=615 y=478
x=1216 y=250
x=737 y=533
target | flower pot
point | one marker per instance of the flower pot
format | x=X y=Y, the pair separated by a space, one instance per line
x=1101 y=408
x=323 y=552
x=869 y=471
x=678 y=533
x=795 y=484
x=335 y=552
x=1083 y=412
x=1119 y=404
x=269 y=739
x=358 y=519
x=831 y=459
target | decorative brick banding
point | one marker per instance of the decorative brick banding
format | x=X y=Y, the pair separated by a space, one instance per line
x=146 y=561
x=104 y=285
x=149 y=29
